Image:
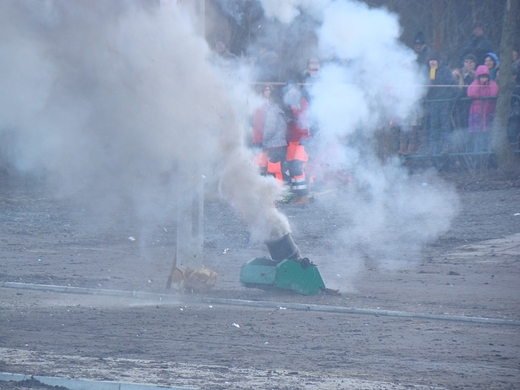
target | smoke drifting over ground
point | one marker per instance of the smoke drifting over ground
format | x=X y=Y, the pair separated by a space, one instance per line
x=106 y=98
x=368 y=79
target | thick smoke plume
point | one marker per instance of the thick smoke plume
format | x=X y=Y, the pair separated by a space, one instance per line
x=286 y=11
x=368 y=79
x=108 y=99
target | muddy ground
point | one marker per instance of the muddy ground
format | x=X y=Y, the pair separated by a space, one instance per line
x=429 y=340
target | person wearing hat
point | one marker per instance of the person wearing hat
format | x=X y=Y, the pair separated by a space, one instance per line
x=421 y=49
x=478 y=44
x=482 y=110
x=440 y=94
x=491 y=62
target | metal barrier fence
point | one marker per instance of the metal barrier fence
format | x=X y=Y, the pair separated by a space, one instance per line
x=451 y=144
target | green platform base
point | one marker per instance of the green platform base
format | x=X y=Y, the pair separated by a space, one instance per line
x=288 y=274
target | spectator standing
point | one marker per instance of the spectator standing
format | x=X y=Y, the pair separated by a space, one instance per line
x=464 y=77
x=478 y=44
x=224 y=57
x=440 y=94
x=421 y=49
x=459 y=113
x=468 y=68
x=491 y=62
x=266 y=64
x=482 y=89
x=311 y=73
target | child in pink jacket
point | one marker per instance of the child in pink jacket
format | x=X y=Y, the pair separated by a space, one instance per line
x=483 y=90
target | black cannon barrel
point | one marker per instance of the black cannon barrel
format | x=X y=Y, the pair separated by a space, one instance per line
x=283 y=248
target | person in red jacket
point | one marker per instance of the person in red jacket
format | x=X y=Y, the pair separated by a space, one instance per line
x=482 y=90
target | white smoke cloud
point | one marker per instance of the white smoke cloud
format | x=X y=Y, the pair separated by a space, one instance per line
x=287 y=10
x=377 y=72
x=367 y=79
x=392 y=214
x=339 y=104
x=106 y=98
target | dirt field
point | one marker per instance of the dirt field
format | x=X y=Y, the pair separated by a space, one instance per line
x=419 y=327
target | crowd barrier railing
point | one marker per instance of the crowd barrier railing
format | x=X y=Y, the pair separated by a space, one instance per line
x=458 y=123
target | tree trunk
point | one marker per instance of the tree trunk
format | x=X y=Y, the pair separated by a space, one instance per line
x=439 y=16
x=506 y=84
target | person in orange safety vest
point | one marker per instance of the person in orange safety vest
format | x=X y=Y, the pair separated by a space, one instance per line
x=298 y=132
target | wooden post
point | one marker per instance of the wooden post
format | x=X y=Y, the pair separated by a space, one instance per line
x=190 y=213
x=499 y=139
x=438 y=24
